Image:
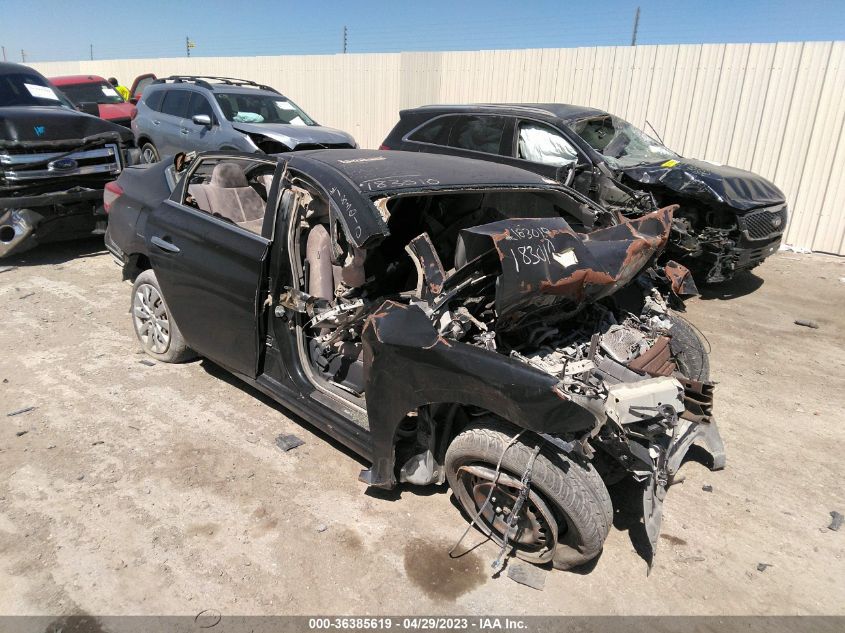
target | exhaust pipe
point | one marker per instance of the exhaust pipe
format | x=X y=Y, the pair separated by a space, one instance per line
x=16 y=230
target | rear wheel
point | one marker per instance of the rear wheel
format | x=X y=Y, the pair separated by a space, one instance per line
x=154 y=326
x=149 y=153
x=567 y=515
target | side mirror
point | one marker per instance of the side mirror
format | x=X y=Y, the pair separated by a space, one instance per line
x=134 y=100
x=565 y=174
x=202 y=119
x=89 y=107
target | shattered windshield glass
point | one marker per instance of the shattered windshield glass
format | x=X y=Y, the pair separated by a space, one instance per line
x=257 y=108
x=619 y=142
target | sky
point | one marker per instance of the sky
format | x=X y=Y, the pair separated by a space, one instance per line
x=64 y=30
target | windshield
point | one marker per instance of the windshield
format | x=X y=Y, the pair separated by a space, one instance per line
x=99 y=92
x=619 y=142
x=260 y=108
x=25 y=89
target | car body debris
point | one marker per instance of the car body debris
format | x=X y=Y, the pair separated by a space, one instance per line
x=20 y=411
x=707 y=488
x=763 y=566
x=835 y=521
x=807 y=323
x=528 y=575
x=21 y=433
x=288 y=442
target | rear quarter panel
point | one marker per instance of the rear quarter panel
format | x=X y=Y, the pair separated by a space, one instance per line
x=144 y=188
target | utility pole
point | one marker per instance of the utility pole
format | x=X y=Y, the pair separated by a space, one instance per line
x=189 y=45
x=636 y=26
x=23 y=56
x=91 y=48
x=4 y=52
x=344 y=39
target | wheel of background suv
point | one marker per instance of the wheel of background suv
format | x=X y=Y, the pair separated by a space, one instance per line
x=565 y=519
x=688 y=349
x=154 y=326
x=149 y=153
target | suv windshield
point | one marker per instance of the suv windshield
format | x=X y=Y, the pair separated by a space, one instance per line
x=99 y=92
x=25 y=89
x=260 y=108
x=619 y=142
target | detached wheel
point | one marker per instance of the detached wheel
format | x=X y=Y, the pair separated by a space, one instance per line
x=149 y=153
x=155 y=328
x=566 y=517
x=688 y=349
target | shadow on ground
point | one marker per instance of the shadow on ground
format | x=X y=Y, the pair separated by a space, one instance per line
x=221 y=374
x=57 y=253
x=743 y=284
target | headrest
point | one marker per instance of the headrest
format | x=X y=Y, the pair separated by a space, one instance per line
x=228 y=175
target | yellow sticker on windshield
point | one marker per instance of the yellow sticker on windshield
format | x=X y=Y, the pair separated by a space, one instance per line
x=669 y=163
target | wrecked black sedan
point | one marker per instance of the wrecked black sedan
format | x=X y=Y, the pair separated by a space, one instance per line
x=439 y=316
x=729 y=219
x=54 y=163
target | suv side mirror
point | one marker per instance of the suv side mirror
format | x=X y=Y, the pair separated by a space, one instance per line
x=202 y=119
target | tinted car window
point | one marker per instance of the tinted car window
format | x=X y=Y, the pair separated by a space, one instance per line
x=542 y=144
x=435 y=131
x=25 y=89
x=199 y=105
x=479 y=133
x=175 y=102
x=142 y=84
x=153 y=100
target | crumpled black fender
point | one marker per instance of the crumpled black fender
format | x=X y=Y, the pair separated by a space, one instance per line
x=410 y=365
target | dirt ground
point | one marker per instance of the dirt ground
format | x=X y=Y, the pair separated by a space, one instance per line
x=142 y=488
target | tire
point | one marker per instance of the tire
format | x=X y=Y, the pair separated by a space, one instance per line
x=688 y=349
x=149 y=153
x=153 y=324
x=571 y=493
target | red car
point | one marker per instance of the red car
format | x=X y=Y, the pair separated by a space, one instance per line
x=84 y=90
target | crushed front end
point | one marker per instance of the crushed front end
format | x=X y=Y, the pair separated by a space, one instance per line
x=53 y=190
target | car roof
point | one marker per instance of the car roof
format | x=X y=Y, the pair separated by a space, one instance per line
x=415 y=170
x=70 y=80
x=365 y=174
x=11 y=67
x=563 y=111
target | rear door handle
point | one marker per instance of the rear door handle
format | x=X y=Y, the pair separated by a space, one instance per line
x=164 y=244
x=156 y=122
x=183 y=131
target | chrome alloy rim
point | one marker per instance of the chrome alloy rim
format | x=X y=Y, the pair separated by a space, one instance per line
x=150 y=318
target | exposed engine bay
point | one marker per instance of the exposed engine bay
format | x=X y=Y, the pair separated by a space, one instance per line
x=495 y=293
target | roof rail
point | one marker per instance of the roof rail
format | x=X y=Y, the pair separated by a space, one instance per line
x=485 y=106
x=205 y=81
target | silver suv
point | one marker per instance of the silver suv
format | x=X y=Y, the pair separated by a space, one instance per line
x=196 y=113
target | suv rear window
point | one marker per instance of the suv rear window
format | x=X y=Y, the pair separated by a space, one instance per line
x=435 y=131
x=478 y=133
x=153 y=99
x=175 y=102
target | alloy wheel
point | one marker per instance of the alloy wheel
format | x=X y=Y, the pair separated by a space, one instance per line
x=150 y=318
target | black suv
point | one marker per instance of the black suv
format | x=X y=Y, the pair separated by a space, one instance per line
x=54 y=163
x=729 y=219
